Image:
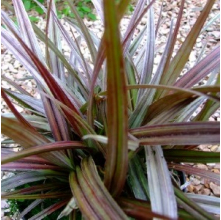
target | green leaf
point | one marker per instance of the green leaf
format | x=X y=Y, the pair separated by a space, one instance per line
x=191 y=207
x=210 y=203
x=71 y=15
x=139 y=209
x=81 y=199
x=79 y=4
x=28 y=177
x=196 y=91
x=29 y=138
x=23 y=166
x=33 y=19
x=69 y=208
x=147 y=68
x=35 y=188
x=30 y=207
x=86 y=9
x=39 y=10
x=26 y=31
x=92 y=16
x=214 y=177
x=137 y=179
x=117 y=119
x=67 y=65
x=104 y=197
x=81 y=14
x=183 y=133
x=66 y=11
x=200 y=70
x=178 y=155
x=41 y=149
x=132 y=145
x=159 y=181
x=21 y=133
x=15 y=112
x=28 y=5
x=49 y=210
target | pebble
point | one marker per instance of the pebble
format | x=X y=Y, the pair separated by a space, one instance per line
x=18 y=108
x=202 y=166
x=210 y=164
x=196 y=182
x=199 y=45
x=4 y=204
x=214 y=148
x=7 y=58
x=216 y=34
x=203 y=147
x=190 y=188
x=206 y=191
x=217 y=166
x=192 y=56
x=207 y=185
x=197 y=188
x=5 y=67
x=17 y=64
x=215 y=189
x=6 y=218
x=202 y=181
x=216 y=171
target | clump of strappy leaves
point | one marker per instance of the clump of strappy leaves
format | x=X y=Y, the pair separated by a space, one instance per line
x=108 y=132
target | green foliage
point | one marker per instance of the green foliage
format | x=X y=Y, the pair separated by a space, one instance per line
x=20 y=204
x=45 y=204
x=30 y=5
x=84 y=7
x=13 y=206
x=101 y=141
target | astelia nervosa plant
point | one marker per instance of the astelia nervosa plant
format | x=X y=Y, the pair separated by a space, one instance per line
x=103 y=138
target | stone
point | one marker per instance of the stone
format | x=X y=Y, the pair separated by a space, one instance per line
x=218 y=149
x=190 y=188
x=143 y=21
x=197 y=188
x=202 y=166
x=192 y=56
x=202 y=181
x=196 y=182
x=199 y=45
x=216 y=34
x=211 y=164
x=6 y=218
x=18 y=108
x=12 y=69
x=206 y=191
x=5 y=67
x=216 y=171
x=206 y=185
x=214 y=148
x=215 y=189
x=202 y=147
x=7 y=58
x=4 y=204
x=16 y=64
x=217 y=166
